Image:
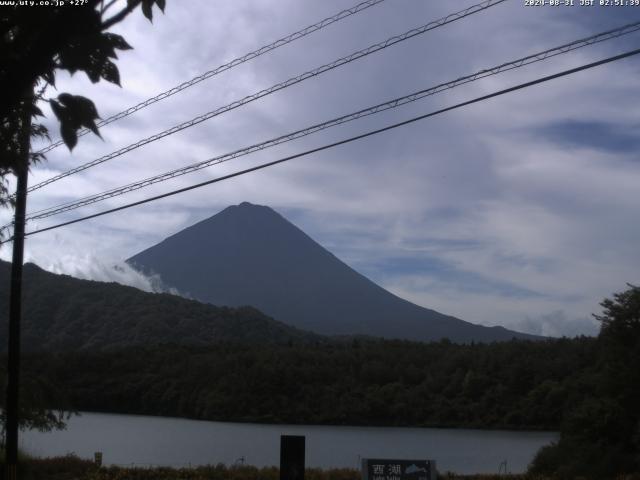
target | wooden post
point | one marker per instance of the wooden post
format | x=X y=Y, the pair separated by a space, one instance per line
x=292 y=449
x=15 y=301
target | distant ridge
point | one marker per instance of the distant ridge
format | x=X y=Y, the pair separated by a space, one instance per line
x=250 y=255
x=62 y=313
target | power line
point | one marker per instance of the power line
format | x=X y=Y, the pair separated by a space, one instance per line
x=530 y=59
x=287 y=83
x=227 y=66
x=342 y=142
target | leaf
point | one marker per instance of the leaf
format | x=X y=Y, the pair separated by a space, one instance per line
x=91 y=52
x=50 y=77
x=67 y=114
x=104 y=47
x=39 y=131
x=68 y=134
x=66 y=99
x=146 y=9
x=74 y=112
x=71 y=58
x=85 y=107
x=93 y=73
x=57 y=109
x=79 y=107
x=36 y=157
x=161 y=4
x=117 y=41
x=110 y=73
x=86 y=113
x=91 y=125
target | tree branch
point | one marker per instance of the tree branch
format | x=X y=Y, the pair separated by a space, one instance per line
x=121 y=15
x=106 y=7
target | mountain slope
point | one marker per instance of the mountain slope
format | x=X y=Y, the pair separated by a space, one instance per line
x=65 y=313
x=250 y=255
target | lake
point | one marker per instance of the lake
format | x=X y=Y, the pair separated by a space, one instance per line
x=151 y=441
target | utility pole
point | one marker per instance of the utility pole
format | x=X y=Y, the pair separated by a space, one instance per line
x=15 y=302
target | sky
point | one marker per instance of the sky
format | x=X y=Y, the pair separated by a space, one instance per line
x=519 y=211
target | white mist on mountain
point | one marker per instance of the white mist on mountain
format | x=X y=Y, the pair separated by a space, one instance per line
x=90 y=267
x=558 y=324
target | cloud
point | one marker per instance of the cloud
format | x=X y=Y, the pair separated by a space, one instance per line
x=88 y=267
x=557 y=324
x=592 y=135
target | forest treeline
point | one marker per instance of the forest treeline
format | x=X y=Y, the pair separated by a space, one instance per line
x=516 y=385
x=588 y=388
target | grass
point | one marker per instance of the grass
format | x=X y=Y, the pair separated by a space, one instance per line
x=73 y=468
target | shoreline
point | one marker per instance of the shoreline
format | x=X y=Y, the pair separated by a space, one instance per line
x=333 y=425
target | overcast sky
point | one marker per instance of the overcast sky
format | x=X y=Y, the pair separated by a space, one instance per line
x=520 y=211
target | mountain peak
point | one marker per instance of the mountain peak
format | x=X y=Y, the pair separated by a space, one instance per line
x=251 y=255
x=247 y=206
x=247 y=209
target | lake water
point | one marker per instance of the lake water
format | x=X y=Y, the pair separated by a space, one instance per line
x=146 y=441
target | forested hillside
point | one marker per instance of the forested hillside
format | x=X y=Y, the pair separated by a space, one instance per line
x=516 y=384
x=63 y=313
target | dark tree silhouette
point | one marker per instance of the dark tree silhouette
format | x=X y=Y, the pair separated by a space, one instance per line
x=620 y=319
x=600 y=435
x=36 y=43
